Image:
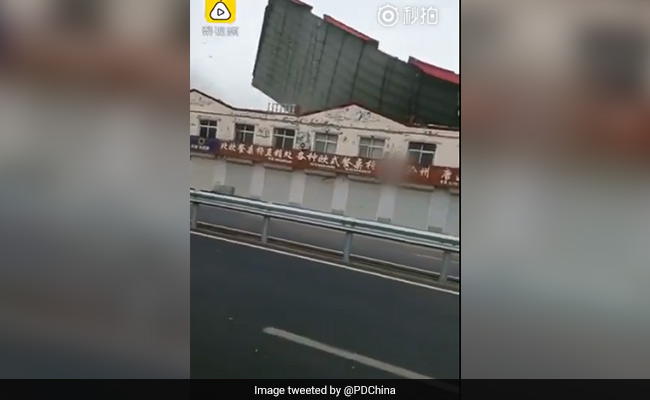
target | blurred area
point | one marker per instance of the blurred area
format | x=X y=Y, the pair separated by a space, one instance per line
x=556 y=197
x=112 y=44
x=94 y=260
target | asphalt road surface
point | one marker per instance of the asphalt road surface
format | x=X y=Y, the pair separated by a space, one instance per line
x=261 y=314
x=398 y=253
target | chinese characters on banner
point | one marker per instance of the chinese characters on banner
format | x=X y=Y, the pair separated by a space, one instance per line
x=298 y=159
x=256 y=153
x=437 y=176
x=449 y=178
x=337 y=163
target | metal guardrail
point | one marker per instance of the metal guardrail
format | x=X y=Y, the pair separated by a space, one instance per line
x=350 y=226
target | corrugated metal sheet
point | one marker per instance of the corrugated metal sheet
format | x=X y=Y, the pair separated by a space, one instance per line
x=322 y=63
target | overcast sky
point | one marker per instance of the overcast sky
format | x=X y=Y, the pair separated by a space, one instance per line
x=223 y=66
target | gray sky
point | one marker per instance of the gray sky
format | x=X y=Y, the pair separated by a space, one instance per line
x=223 y=66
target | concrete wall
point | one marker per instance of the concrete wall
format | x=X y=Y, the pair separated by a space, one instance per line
x=412 y=207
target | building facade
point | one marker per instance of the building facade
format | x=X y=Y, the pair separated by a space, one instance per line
x=339 y=160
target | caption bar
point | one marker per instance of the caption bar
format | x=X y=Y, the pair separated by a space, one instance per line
x=330 y=390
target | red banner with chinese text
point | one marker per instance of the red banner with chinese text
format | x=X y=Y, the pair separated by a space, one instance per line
x=378 y=169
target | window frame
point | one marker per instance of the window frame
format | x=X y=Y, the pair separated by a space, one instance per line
x=209 y=125
x=325 y=139
x=421 y=152
x=373 y=145
x=282 y=134
x=244 y=134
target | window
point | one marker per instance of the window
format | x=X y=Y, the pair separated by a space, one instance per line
x=325 y=143
x=283 y=138
x=371 y=148
x=422 y=153
x=208 y=129
x=244 y=133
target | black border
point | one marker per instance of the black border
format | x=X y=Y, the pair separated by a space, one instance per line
x=123 y=389
x=544 y=389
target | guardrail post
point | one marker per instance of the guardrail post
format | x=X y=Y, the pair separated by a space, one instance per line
x=347 y=247
x=194 y=210
x=446 y=262
x=349 y=226
x=265 y=229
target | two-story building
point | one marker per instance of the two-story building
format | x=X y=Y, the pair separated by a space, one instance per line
x=338 y=160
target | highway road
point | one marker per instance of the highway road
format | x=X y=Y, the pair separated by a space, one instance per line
x=398 y=253
x=260 y=313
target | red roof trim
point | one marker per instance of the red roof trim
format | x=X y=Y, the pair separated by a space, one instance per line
x=440 y=73
x=348 y=29
x=300 y=3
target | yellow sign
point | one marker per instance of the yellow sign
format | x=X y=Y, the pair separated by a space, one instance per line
x=220 y=11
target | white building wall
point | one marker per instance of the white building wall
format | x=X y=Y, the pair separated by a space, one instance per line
x=415 y=208
x=350 y=124
x=363 y=200
x=412 y=208
x=421 y=208
x=277 y=185
x=439 y=206
x=202 y=173
x=297 y=188
x=319 y=191
x=452 y=224
x=239 y=177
